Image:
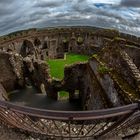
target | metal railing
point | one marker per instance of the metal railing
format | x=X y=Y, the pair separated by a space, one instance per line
x=71 y=124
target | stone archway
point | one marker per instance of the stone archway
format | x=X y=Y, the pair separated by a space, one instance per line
x=45 y=45
x=37 y=42
x=27 y=48
x=65 y=44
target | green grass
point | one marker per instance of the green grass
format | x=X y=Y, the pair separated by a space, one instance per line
x=63 y=95
x=57 y=65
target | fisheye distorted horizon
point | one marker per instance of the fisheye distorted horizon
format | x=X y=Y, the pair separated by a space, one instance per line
x=123 y=15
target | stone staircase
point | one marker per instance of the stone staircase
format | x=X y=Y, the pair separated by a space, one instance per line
x=135 y=71
x=107 y=84
x=129 y=94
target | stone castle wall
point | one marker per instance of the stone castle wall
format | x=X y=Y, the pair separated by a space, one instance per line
x=36 y=45
x=11 y=71
x=59 y=40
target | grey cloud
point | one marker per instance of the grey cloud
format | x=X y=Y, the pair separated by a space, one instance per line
x=98 y=12
x=80 y=1
x=6 y=1
x=6 y=8
x=62 y=15
x=9 y=23
x=50 y=4
x=39 y=13
x=82 y=9
x=4 y=12
x=130 y=3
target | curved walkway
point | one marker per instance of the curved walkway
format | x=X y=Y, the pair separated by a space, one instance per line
x=71 y=124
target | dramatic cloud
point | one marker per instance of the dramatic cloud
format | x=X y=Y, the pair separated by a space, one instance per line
x=20 y=14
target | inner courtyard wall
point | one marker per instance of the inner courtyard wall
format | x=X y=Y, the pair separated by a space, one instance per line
x=92 y=40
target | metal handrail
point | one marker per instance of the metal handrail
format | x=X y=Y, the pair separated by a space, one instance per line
x=54 y=123
x=70 y=115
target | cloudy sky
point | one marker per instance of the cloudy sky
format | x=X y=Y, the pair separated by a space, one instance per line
x=23 y=14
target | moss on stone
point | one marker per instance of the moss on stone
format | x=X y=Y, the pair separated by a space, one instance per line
x=119 y=39
x=130 y=46
x=95 y=56
x=63 y=95
x=102 y=69
x=65 y=40
x=130 y=92
x=80 y=40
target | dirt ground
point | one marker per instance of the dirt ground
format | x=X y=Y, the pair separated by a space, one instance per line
x=10 y=134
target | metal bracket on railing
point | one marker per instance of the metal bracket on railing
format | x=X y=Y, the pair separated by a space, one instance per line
x=138 y=102
x=139 y=105
x=70 y=118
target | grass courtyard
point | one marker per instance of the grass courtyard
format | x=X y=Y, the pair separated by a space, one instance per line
x=57 y=65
